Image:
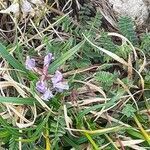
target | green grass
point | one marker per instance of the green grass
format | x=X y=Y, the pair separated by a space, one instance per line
x=107 y=105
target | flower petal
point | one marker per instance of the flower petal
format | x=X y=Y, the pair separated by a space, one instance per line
x=57 y=77
x=30 y=63
x=48 y=58
x=47 y=95
x=61 y=86
x=41 y=86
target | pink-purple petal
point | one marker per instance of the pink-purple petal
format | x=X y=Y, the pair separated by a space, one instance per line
x=61 y=86
x=41 y=86
x=47 y=95
x=30 y=63
x=57 y=77
x=47 y=59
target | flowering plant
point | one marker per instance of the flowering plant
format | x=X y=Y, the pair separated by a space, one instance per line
x=43 y=86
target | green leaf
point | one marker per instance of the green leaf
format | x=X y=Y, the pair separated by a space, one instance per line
x=11 y=130
x=126 y=27
x=135 y=133
x=57 y=63
x=106 y=78
x=16 y=100
x=128 y=110
x=13 y=144
x=38 y=130
x=13 y=62
x=4 y=133
x=145 y=43
x=70 y=142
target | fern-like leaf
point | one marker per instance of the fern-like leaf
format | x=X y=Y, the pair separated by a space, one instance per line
x=126 y=27
x=145 y=44
x=13 y=144
x=106 y=42
x=106 y=79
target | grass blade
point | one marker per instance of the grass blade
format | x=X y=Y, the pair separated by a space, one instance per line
x=16 y=100
x=53 y=67
x=13 y=62
x=144 y=133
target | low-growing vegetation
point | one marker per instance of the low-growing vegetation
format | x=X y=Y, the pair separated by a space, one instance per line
x=71 y=81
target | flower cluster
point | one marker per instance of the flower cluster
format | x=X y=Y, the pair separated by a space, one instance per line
x=42 y=86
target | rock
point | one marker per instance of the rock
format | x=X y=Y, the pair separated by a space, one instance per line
x=138 y=10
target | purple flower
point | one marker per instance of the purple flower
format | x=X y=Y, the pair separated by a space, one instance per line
x=30 y=63
x=57 y=77
x=58 y=84
x=47 y=59
x=47 y=95
x=41 y=86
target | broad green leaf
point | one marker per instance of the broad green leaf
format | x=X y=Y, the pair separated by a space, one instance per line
x=16 y=100
x=135 y=133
